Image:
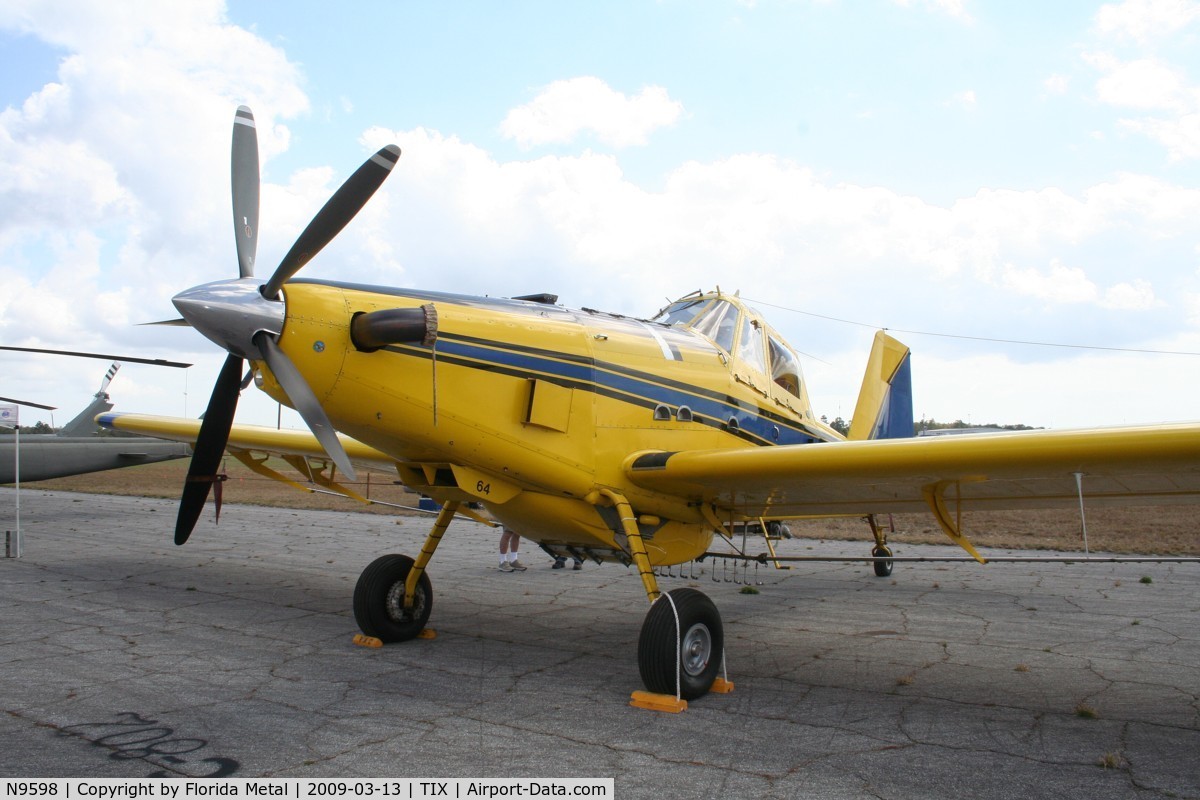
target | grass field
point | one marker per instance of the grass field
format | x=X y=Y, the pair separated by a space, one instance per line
x=1161 y=530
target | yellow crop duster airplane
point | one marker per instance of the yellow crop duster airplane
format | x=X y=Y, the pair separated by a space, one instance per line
x=593 y=434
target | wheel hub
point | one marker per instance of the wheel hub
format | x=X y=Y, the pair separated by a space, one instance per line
x=695 y=649
x=395 y=603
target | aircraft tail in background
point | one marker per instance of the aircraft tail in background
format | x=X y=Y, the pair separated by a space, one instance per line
x=885 y=408
x=84 y=423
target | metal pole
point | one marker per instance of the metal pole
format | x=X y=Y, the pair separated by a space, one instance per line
x=16 y=543
x=1082 y=516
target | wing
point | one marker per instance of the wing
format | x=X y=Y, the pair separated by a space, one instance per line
x=1028 y=469
x=245 y=438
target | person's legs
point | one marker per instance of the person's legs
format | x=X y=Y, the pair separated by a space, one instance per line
x=509 y=541
x=512 y=554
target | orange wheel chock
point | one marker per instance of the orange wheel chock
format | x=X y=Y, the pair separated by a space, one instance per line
x=363 y=640
x=658 y=702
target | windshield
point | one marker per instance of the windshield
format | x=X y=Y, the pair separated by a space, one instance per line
x=681 y=312
x=718 y=323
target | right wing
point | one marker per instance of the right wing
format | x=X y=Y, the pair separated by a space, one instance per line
x=246 y=438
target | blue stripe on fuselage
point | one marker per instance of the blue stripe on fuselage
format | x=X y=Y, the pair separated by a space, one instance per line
x=622 y=383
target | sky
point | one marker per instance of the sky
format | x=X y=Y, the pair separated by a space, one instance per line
x=1012 y=189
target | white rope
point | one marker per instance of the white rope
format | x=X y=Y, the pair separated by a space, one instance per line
x=678 y=643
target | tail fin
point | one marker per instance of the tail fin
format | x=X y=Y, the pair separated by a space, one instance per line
x=84 y=423
x=884 y=409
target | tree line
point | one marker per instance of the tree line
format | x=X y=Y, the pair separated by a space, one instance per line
x=843 y=426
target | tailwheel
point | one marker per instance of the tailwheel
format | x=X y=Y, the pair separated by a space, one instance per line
x=692 y=649
x=379 y=600
x=882 y=568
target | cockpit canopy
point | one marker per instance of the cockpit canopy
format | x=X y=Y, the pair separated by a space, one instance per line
x=740 y=332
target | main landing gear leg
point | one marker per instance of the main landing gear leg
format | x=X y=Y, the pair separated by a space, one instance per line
x=881 y=550
x=393 y=596
x=682 y=645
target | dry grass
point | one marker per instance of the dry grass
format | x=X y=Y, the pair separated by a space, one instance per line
x=165 y=479
x=1157 y=530
x=1145 y=530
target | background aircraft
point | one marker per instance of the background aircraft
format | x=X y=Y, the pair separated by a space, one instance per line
x=76 y=448
x=623 y=440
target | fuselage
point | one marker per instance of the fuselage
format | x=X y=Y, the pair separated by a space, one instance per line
x=46 y=456
x=532 y=408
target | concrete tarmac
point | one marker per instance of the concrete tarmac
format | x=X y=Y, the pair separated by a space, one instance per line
x=126 y=656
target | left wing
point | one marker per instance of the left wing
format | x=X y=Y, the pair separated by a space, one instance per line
x=1028 y=469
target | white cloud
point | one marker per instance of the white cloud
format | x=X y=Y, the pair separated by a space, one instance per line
x=1060 y=284
x=1143 y=20
x=1135 y=296
x=953 y=8
x=1070 y=285
x=1192 y=304
x=1150 y=85
x=146 y=91
x=965 y=100
x=567 y=108
x=1181 y=137
x=1056 y=84
x=1141 y=84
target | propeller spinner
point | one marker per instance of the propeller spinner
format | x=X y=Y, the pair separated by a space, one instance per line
x=245 y=316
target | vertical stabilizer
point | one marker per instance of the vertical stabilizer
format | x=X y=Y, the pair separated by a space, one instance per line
x=84 y=423
x=884 y=409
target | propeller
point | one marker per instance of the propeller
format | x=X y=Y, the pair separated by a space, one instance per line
x=244 y=183
x=210 y=447
x=347 y=201
x=246 y=316
x=304 y=401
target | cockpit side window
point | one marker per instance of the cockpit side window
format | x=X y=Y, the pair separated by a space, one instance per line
x=750 y=346
x=785 y=367
x=718 y=322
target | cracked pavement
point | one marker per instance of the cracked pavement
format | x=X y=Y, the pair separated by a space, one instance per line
x=125 y=656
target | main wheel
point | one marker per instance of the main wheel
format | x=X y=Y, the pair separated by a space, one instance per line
x=695 y=647
x=379 y=600
x=882 y=568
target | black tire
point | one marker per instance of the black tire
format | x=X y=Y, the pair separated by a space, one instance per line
x=882 y=568
x=379 y=600
x=701 y=645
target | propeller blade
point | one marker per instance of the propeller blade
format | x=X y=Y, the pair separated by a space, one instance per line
x=244 y=179
x=335 y=215
x=304 y=401
x=173 y=323
x=158 y=362
x=210 y=447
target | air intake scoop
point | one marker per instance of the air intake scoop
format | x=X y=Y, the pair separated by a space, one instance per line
x=375 y=329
